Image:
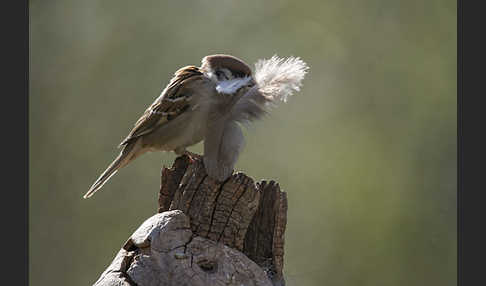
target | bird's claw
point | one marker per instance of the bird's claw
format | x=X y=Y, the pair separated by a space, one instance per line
x=192 y=156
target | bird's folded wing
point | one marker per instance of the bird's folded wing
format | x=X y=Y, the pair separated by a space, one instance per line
x=171 y=103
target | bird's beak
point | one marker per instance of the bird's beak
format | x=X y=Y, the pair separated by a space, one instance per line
x=239 y=94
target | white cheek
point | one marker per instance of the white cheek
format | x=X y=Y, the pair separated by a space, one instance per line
x=211 y=76
x=232 y=85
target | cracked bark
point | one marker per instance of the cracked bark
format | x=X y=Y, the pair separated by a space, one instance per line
x=206 y=233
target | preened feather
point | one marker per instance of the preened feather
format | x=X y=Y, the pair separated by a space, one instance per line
x=276 y=80
x=279 y=78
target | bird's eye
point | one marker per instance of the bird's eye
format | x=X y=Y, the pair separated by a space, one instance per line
x=220 y=74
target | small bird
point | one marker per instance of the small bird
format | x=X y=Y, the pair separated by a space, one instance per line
x=209 y=103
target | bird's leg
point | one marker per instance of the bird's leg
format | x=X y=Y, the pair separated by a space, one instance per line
x=182 y=151
x=191 y=155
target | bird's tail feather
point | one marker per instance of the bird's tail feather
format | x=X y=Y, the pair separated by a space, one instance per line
x=128 y=153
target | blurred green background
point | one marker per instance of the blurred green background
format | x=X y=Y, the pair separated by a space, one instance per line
x=366 y=151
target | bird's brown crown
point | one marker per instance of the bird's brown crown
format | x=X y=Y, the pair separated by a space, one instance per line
x=234 y=64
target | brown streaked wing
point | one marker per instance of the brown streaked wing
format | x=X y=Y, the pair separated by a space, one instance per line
x=171 y=104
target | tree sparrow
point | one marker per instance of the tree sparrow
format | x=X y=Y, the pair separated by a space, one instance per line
x=208 y=103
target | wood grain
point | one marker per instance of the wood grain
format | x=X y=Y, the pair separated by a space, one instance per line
x=206 y=232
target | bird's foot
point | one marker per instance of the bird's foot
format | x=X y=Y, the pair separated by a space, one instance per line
x=192 y=156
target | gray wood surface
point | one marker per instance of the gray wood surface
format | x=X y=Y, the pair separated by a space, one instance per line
x=206 y=233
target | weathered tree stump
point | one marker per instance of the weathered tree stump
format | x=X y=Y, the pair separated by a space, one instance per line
x=206 y=233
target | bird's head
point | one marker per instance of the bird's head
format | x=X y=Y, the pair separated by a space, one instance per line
x=227 y=72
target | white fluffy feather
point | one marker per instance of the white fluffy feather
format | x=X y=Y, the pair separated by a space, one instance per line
x=276 y=80
x=279 y=78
